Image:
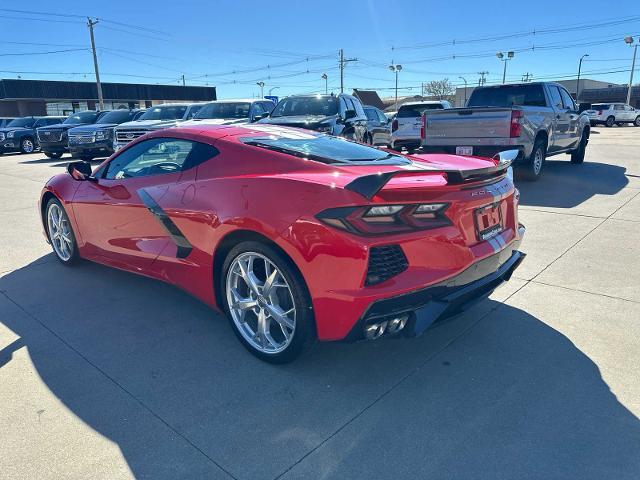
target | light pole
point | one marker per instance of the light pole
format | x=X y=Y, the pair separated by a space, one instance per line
x=465 y=89
x=272 y=89
x=629 y=41
x=578 y=82
x=396 y=68
x=504 y=59
x=326 y=83
x=261 y=85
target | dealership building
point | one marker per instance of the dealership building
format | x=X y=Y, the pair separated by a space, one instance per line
x=19 y=98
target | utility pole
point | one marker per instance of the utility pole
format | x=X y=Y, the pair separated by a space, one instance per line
x=482 y=80
x=90 y=24
x=578 y=81
x=526 y=76
x=629 y=41
x=183 y=82
x=343 y=61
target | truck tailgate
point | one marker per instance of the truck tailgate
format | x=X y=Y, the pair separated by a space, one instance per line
x=476 y=123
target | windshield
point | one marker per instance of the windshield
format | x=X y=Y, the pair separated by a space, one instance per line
x=224 y=110
x=410 y=111
x=82 y=117
x=168 y=112
x=116 y=116
x=293 y=106
x=21 y=122
x=507 y=96
x=326 y=149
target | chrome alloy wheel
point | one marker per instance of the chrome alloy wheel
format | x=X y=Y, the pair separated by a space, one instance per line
x=261 y=303
x=537 y=161
x=27 y=146
x=59 y=232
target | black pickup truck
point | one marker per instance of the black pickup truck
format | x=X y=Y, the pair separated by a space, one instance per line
x=19 y=135
x=53 y=139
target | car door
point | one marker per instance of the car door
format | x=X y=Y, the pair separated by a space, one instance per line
x=385 y=128
x=119 y=217
x=560 y=121
x=629 y=113
x=573 y=119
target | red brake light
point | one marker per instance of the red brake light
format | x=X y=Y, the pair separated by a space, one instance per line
x=394 y=125
x=516 y=126
x=599 y=112
x=423 y=128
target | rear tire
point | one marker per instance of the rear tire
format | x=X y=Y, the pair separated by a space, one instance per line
x=610 y=121
x=53 y=154
x=532 y=169
x=274 y=346
x=577 y=156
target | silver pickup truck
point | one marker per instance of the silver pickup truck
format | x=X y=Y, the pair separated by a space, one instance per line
x=538 y=119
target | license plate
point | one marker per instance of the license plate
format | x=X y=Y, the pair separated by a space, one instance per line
x=467 y=151
x=489 y=221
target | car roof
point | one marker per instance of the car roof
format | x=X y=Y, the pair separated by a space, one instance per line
x=423 y=102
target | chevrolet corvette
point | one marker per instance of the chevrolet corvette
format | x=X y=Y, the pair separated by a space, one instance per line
x=295 y=235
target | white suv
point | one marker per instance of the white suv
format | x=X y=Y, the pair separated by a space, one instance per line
x=611 y=114
x=405 y=128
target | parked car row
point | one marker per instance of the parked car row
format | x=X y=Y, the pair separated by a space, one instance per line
x=19 y=134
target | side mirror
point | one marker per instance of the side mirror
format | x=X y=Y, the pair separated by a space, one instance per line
x=506 y=156
x=349 y=114
x=80 y=170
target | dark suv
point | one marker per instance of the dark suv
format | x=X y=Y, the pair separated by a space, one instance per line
x=53 y=139
x=340 y=115
x=90 y=141
x=19 y=135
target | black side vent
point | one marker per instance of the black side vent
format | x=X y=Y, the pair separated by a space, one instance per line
x=385 y=262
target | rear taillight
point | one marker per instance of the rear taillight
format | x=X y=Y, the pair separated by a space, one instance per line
x=599 y=112
x=394 y=125
x=423 y=128
x=385 y=219
x=516 y=126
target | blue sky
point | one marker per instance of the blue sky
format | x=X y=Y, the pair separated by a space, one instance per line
x=289 y=45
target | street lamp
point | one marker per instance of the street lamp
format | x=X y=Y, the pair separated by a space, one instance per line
x=326 y=84
x=465 y=89
x=504 y=59
x=272 y=89
x=396 y=68
x=578 y=82
x=629 y=41
x=261 y=85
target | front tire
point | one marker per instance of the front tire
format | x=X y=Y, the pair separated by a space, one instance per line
x=60 y=233
x=637 y=121
x=532 y=169
x=610 y=121
x=267 y=302
x=27 y=145
x=577 y=156
x=53 y=154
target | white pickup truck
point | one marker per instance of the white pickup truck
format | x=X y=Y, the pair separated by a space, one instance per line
x=537 y=119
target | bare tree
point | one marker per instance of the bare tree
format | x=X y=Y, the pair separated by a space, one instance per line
x=441 y=89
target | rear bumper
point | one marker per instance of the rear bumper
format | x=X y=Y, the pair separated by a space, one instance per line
x=478 y=150
x=425 y=306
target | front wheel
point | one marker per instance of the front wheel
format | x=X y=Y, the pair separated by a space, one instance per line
x=577 y=156
x=53 y=154
x=60 y=233
x=637 y=121
x=27 y=145
x=267 y=302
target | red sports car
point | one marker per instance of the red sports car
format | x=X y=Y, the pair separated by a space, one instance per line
x=295 y=235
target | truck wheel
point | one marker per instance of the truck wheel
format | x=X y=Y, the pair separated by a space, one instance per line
x=532 y=169
x=637 y=121
x=27 y=145
x=577 y=156
x=53 y=154
x=610 y=121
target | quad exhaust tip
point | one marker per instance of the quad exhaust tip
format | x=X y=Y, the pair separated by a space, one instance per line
x=390 y=326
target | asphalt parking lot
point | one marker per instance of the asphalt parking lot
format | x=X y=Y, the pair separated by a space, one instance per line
x=107 y=375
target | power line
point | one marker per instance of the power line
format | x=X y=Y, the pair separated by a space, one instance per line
x=22 y=54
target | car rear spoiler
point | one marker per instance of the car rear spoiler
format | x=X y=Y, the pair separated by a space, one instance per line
x=369 y=185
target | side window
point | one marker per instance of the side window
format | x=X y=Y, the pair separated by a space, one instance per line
x=617 y=107
x=158 y=156
x=193 y=110
x=383 y=118
x=358 y=107
x=567 y=100
x=371 y=115
x=258 y=109
x=556 y=99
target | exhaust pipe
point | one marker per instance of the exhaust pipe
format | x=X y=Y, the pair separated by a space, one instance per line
x=373 y=331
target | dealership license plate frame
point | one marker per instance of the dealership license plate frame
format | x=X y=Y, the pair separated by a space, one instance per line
x=495 y=228
x=465 y=151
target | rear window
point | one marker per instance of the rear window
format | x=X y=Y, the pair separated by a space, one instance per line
x=169 y=112
x=325 y=149
x=508 y=96
x=601 y=106
x=411 y=111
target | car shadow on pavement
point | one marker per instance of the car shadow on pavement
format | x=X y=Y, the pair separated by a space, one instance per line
x=565 y=185
x=503 y=397
x=59 y=162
